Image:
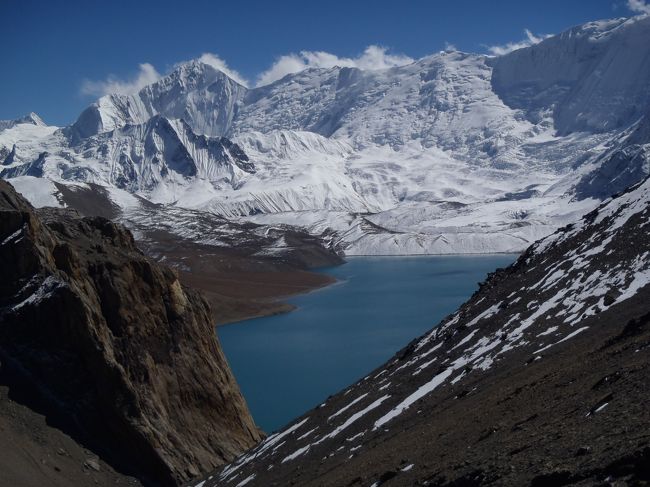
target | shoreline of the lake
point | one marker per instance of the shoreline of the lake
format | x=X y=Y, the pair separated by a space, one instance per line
x=279 y=306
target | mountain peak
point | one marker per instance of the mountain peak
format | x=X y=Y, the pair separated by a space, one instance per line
x=30 y=119
x=34 y=119
x=200 y=72
x=192 y=74
x=195 y=91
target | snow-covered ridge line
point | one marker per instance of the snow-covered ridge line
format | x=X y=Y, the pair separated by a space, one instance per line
x=453 y=153
x=29 y=119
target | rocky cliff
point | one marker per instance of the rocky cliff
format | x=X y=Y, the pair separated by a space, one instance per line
x=540 y=379
x=119 y=352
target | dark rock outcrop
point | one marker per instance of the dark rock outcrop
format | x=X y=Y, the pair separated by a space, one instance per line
x=540 y=379
x=115 y=345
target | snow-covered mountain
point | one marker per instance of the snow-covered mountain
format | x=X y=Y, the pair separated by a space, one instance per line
x=452 y=153
x=593 y=77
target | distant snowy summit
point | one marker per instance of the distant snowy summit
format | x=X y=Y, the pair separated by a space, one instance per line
x=30 y=119
x=453 y=153
x=196 y=92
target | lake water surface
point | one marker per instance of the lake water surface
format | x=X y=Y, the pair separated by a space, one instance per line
x=290 y=363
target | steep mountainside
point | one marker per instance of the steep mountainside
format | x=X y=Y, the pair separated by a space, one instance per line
x=121 y=353
x=592 y=77
x=540 y=378
x=454 y=152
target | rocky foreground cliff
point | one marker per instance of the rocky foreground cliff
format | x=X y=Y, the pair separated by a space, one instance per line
x=540 y=379
x=112 y=350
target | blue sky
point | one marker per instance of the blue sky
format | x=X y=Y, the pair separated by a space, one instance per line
x=57 y=55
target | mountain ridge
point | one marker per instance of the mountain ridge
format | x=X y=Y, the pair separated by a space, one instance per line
x=511 y=147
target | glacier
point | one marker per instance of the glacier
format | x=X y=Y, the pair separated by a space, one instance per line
x=453 y=153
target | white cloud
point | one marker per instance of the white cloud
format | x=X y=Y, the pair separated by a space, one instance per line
x=374 y=57
x=290 y=63
x=147 y=74
x=218 y=63
x=530 y=40
x=638 y=6
x=449 y=47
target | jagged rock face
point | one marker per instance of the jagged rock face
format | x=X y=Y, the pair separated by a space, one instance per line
x=619 y=167
x=116 y=343
x=8 y=155
x=539 y=379
x=34 y=168
x=161 y=150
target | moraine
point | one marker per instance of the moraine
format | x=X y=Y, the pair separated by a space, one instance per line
x=289 y=363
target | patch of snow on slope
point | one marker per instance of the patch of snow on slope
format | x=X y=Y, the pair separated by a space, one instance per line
x=40 y=192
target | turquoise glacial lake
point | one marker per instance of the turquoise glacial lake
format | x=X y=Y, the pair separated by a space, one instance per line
x=290 y=363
